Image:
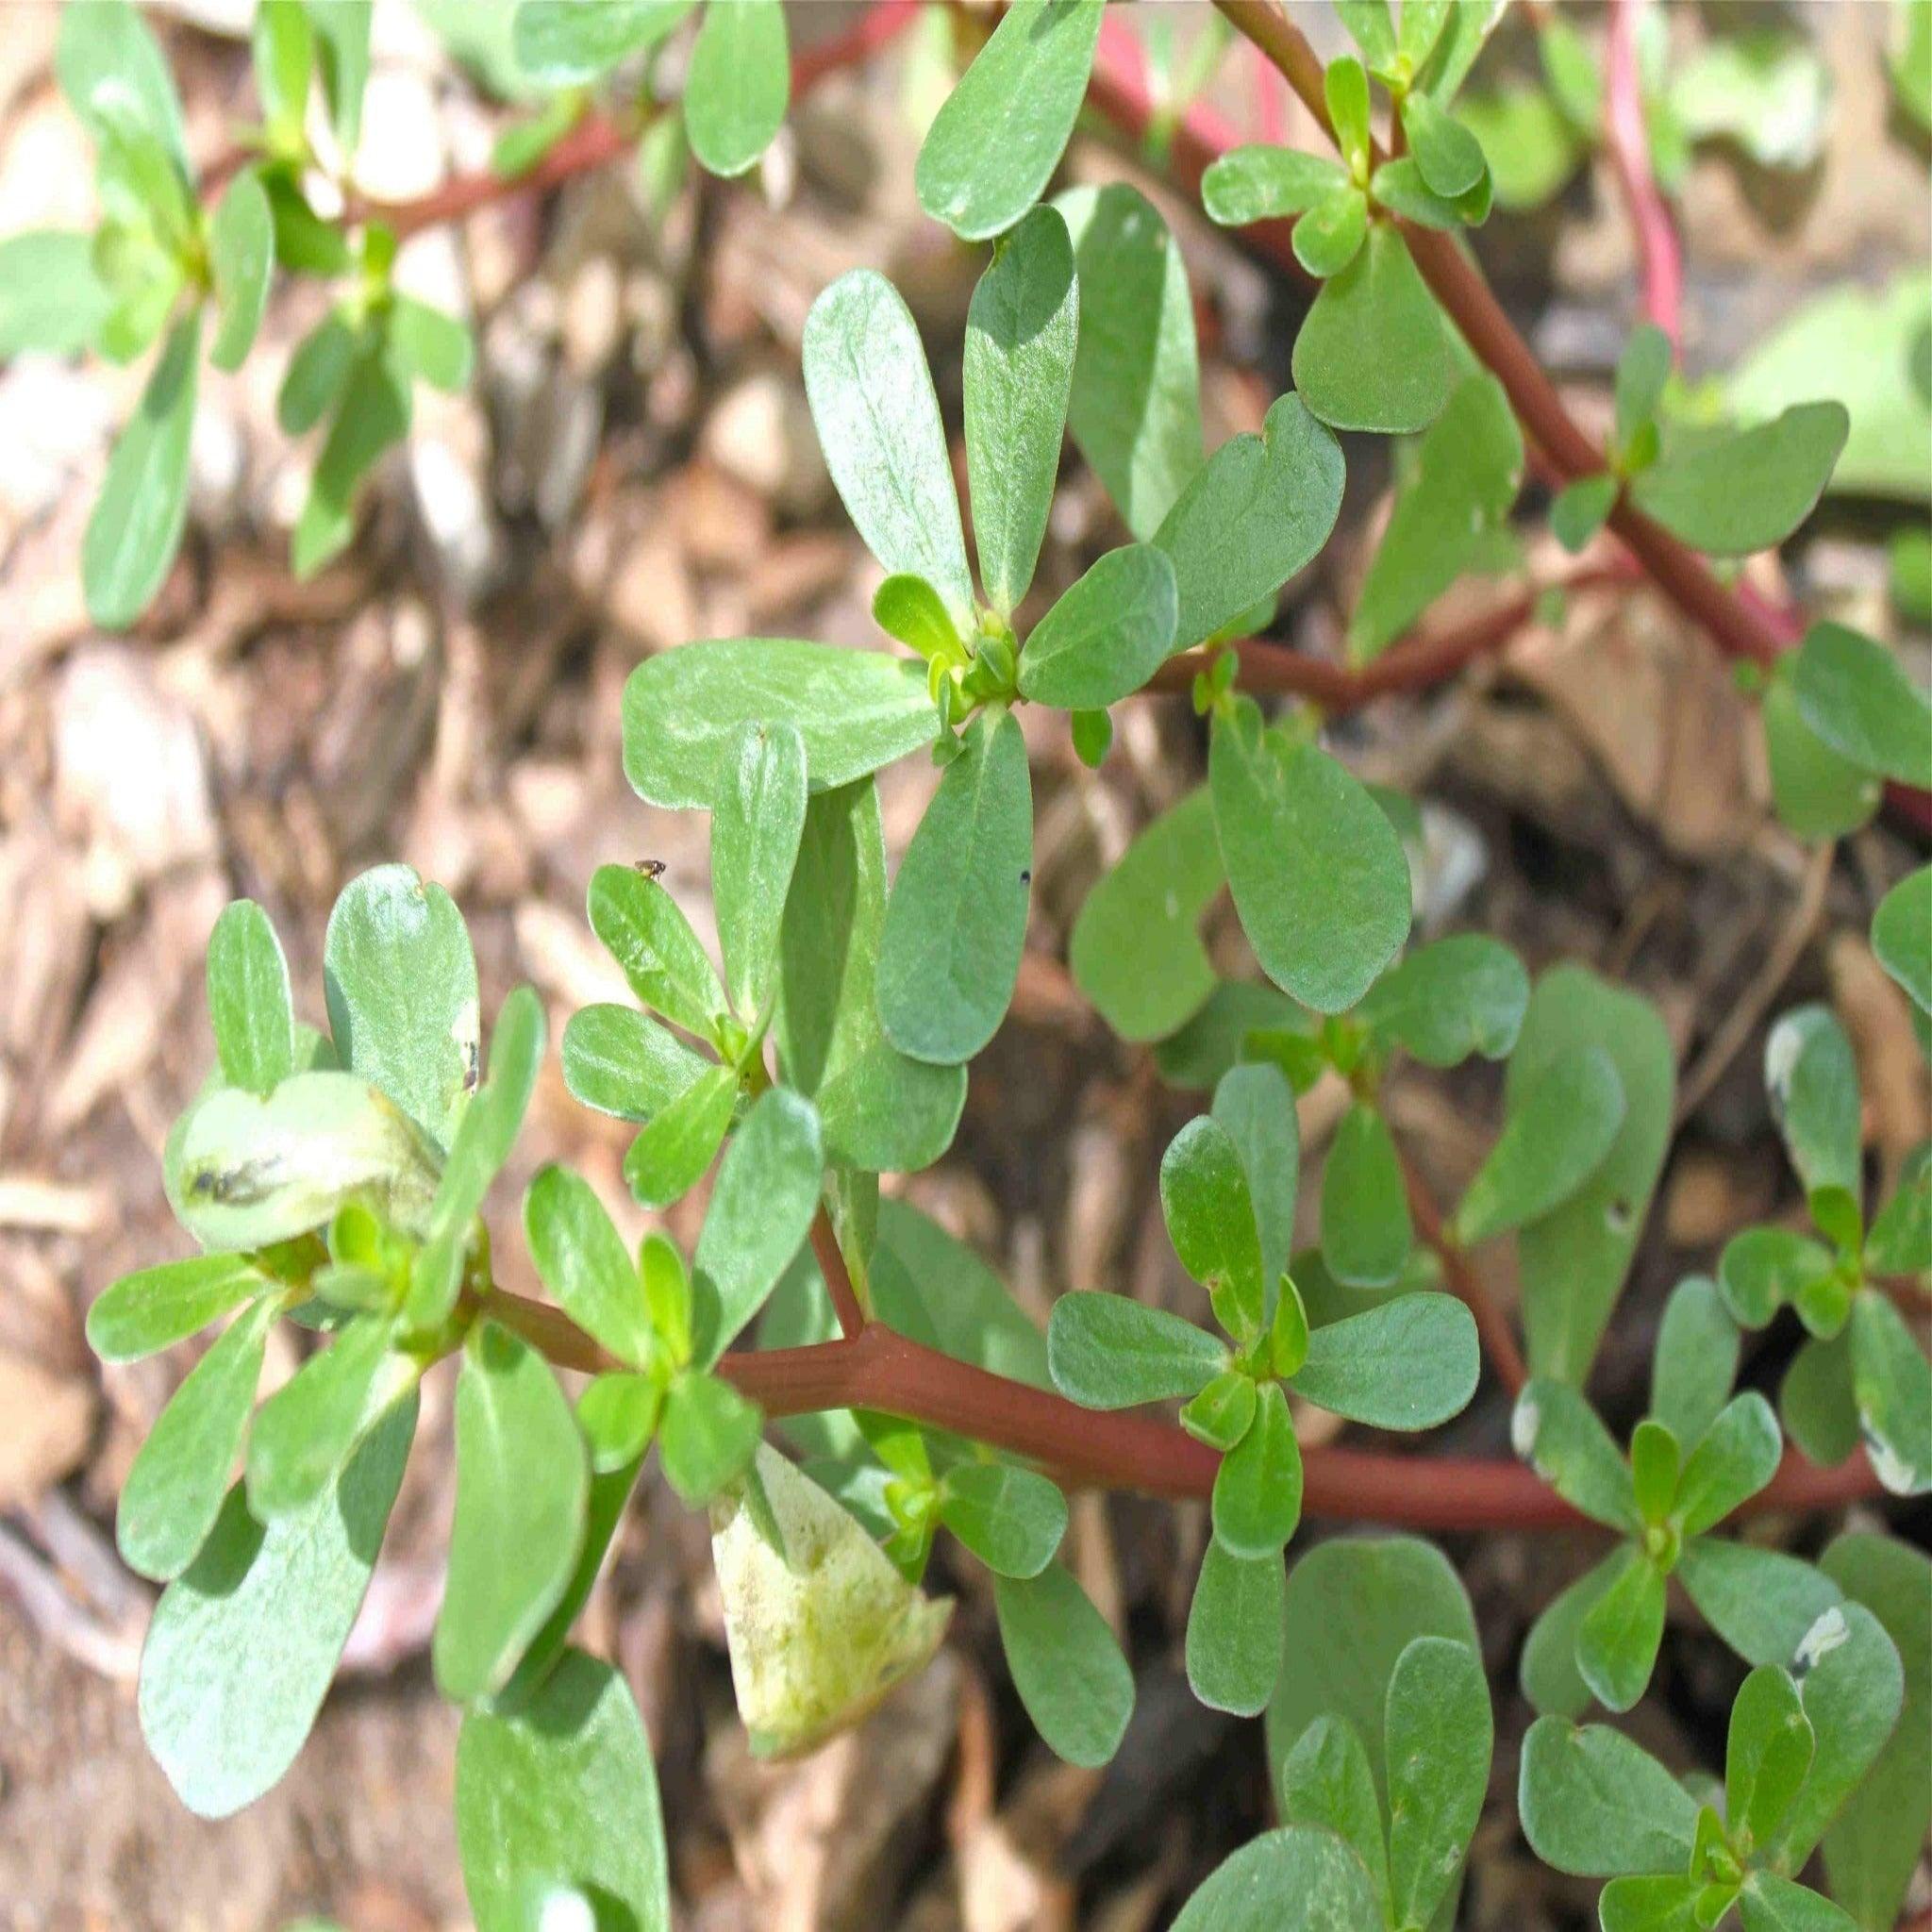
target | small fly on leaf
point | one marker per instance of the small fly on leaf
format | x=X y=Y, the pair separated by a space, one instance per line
x=651 y=868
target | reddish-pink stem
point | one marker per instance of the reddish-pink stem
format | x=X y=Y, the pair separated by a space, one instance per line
x=1660 y=259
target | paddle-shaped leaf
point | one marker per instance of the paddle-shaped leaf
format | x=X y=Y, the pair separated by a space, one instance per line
x=248 y=999
x=757 y=821
x=1373 y=354
x=1366 y=1231
x=1409 y=1364
x=1066 y=1666
x=1750 y=491
x=1234 y=1630
x=739 y=83
x=1107 y=1351
x=1107 y=634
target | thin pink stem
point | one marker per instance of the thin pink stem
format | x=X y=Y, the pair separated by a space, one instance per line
x=1660 y=258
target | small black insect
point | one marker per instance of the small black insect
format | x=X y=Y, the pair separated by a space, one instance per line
x=1026 y=876
x=651 y=868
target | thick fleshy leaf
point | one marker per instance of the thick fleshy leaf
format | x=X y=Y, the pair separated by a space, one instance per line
x=1574 y=1260
x=1292 y=1879
x=1317 y=872
x=994 y=145
x=1855 y=694
x=52 y=301
x=1763 y=1268
x=1853 y=1686
x=757 y=821
x=871 y=397
x=1011 y=1519
x=1771 y=1904
x=1760 y=1601
x=738 y=85
x=341 y=34
x=1618 y=1637
x=956 y=924
x=1439 y=1736
x=1136 y=950
x=1234 y=1630
x=1557 y=1431
x=1891 y=1383
x=1409 y=1364
x=1551 y=1680
x=1813 y=1082
x=1331 y=234
x=583 y=1262
x=1450 y=157
x=1107 y=634
x=644 y=930
x=138 y=516
x=1210 y=1211
x=1135 y=404
x=1738 y=1455
x=173 y=1489
x=566 y=43
x=1257 y=1489
x=1596 y=1804
x=1021 y=332
x=1558 y=1131
x=1747 y=491
x=1696 y=1361
x=522 y=1481
x=684 y=709
x=1657 y=1902
x=1815 y=1401
x=1580 y=509
x=115 y=76
x=761 y=1210
x=1766 y=1756
x=1326 y=1781
x=1256 y=1104
x=242 y=1645
x=242 y=246
x=878 y=1109
x=622 y=1062
x=1875 y=1845
x=1251 y=517
x=708 y=1436
x=1262 y=182
x=669 y=1156
x=1223 y=1411
x=1107 y=1351
x=556 y=1808
x=1374 y=353
x=146 y=1312
x=401 y=981
x=248 y=999
x=1066 y=1665
x=1366 y=1230
x=372 y=412
x=1899 y=1242
x=1818 y=792
x=1902 y=935
x=1354 y=1607
x=1465 y=481
x=1454 y=997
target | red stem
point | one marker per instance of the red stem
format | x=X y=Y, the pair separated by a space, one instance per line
x=831 y=1260
x=1659 y=259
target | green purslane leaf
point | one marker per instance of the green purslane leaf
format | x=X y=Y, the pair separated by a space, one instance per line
x=282 y=47
x=1760 y=1601
x=249 y=1004
x=1136 y=405
x=1106 y=634
x=150 y=1310
x=1262 y=182
x=878 y=1109
x=1292 y=1879
x=1439 y=1735
x=1580 y=509
x=1234 y=1630
x=1891 y=1383
x=1345 y=87
x=708 y=1436
x=994 y=145
x=1255 y=1104
x=1366 y=1230
x=1107 y=1351
x=1819 y=793
x=429 y=345
x=622 y=1064
x=1902 y=935
x=1874 y=1845
x=243 y=1644
x=1763 y=1268
x=138 y=516
x=1899 y=1242
x=1736 y=1457
x=1410 y=1364
x=1654 y=1902
x=1766 y=1756
x=1016 y=371
x=1454 y=997
x=643 y=928
x=372 y=412
x=1618 y=1638
x=1258 y=509
x=241 y=255
x=616 y=1416
x=1750 y=491
x=1643 y=370
x=1136 y=949
x=1331 y=234
x=1223 y=1410
x=1813 y=1082
x=1257 y=1489
x=1595 y=1803
x=878 y=420
x=1448 y=156
x=679 y=1143
x=585 y=1265
x=760 y=1211
x=1855 y=694
x=684 y=709
x=908 y=609
x=1372 y=353
x=1208 y=1207
x=740 y=82
x=557 y=1803
x=1557 y=1431
x=116 y=78
x=566 y=43
x=342 y=35
x=1572 y=1261
x=1326 y=1781
x=52 y=300
x=1815 y=1401
x=1556 y=1134
x=1467 y=472
x=522 y=1481
x=173 y=1489
x=1066 y=1665
x=1551 y=1680
x=1695 y=1360
x=1771 y=1904
x=401 y=982
x=956 y=924
x=1011 y=1519
x=1319 y=876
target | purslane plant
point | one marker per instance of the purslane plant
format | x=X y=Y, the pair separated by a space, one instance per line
x=339 y=1180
